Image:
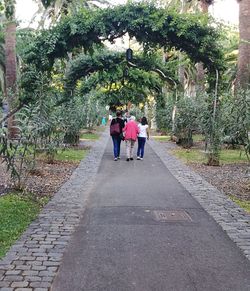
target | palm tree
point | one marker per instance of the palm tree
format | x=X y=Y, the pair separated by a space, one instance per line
x=243 y=66
x=10 y=61
x=55 y=8
x=200 y=75
x=2 y=62
x=204 y=5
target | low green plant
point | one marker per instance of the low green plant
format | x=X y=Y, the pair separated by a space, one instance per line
x=198 y=156
x=90 y=136
x=162 y=138
x=198 y=137
x=19 y=154
x=70 y=155
x=16 y=213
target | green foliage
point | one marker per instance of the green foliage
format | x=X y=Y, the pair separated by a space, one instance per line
x=9 y=9
x=150 y=25
x=16 y=213
x=84 y=65
x=224 y=119
x=19 y=154
x=236 y=119
x=186 y=120
x=110 y=68
x=164 y=108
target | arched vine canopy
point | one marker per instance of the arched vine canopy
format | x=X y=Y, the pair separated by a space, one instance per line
x=105 y=60
x=151 y=26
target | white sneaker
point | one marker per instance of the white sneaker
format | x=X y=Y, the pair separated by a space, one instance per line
x=138 y=158
x=115 y=159
x=141 y=159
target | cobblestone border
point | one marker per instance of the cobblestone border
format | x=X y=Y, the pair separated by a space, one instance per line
x=233 y=219
x=32 y=263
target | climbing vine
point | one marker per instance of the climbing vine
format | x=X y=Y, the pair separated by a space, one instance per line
x=152 y=27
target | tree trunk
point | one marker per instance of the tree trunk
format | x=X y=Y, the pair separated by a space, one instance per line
x=200 y=78
x=11 y=72
x=204 y=6
x=243 y=69
x=200 y=73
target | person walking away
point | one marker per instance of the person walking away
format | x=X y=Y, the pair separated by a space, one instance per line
x=131 y=131
x=126 y=117
x=116 y=126
x=110 y=118
x=143 y=135
x=103 y=121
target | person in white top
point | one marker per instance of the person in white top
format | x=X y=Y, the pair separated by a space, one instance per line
x=143 y=135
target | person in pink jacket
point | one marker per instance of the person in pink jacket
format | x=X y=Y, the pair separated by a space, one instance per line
x=131 y=130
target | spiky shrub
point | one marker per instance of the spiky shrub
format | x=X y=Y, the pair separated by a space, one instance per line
x=186 y=121
x=19 y=154
x=164 y=108
x=236 y=119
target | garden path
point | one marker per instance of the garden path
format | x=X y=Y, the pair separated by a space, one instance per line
x=142 y=230
x=138 y=225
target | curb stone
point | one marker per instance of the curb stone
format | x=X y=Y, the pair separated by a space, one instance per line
x=233 y=219
x=33 y=261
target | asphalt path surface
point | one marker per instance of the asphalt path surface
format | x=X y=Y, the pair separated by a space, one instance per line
x=143 y=231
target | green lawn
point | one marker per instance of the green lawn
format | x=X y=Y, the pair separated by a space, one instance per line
x=16 y=213
x=242 y=203
x=69 y=155
x=197 y=156
x=162 y=138
x=198 y=137
x=89 y=136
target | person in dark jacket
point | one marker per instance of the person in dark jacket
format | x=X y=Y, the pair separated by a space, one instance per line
x=117 y=137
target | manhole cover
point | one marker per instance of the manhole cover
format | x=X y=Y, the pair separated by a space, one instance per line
x=171 y=215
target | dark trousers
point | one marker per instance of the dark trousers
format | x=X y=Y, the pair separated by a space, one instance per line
x=117 y=145
x=141 y=145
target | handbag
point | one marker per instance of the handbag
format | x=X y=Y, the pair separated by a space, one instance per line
x=115 y=128
x=122 y=136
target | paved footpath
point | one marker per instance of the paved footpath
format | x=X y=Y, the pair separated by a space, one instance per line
x=138 y=225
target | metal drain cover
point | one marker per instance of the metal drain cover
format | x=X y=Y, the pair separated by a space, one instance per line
x=171 y=215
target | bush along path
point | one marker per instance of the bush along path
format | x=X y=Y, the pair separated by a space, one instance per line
x=34 y=259
x=234 y=220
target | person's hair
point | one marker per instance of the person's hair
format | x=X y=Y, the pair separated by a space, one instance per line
x=132 y=118
x=144 y=120
x=118 y=114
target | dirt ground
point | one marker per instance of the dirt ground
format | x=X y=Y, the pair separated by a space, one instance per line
x=44 y=181
x=232 y=179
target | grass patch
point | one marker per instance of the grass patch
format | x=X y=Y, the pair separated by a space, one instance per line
x=233 y=156
x=190 y=156
x=242 y=203
x=197 y=156
x=162 y=138
x=70 y=155
x=198 y=137
x=89 y=136
x=16 y=213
